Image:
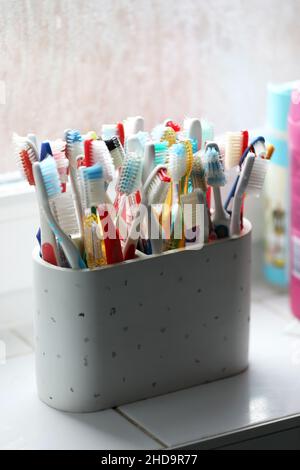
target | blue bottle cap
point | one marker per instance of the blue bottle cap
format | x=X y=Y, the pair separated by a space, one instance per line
x=279 y=99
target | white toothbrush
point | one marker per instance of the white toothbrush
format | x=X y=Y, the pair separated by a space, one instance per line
x=251 y=182
x=74 y=148
x=193 y=201
x=216 y=178
x=193 y=131
x=149 y=160
x=133 y=125
x=48 y=186
x=157 y=198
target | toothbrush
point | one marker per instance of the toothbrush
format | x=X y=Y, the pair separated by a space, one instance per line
x=133 y=125
x=134 y=145
x=94 y=197
x=198 y=179
x=74 y=148
x=235 y=145
x=207 y=136
x=189 y=165
x=251 y=182
x=149 y=160
x=96 y=151
x=63 y=210
x=45 y=150
x=216 y=179
x=27 y=156
x=155 y=153
x=198 y=176
x=207 y=133
x=109 y=131
x=177 y=170
x=161 y=133
x=62 y=164
x=169 y=135
x=192 y=223
x=33 y=139
x=157 y=195
x=158 y=192
x=143 y=137
x=116 y=151
x=129 y=181
x=193 y=131
x=48 y=187
x=250 y=148
x=174 y=125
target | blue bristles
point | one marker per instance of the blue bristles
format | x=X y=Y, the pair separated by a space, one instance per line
x=214 y=168
x=161 y=153
x=73 y=136
x=207 y=132
x=50 y=177
x=177 y=161
x=178 y=149
x=131 y=174
x=143 y=137
x=94 y=172
x=194 y=143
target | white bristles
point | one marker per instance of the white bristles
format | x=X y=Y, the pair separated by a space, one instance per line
x=190 y=204
x=101 y=154
x=74 y=146
x=157 y=191
x=62 y=164
x=257 y=176
x=63 y=210
x=260 y=149
x=109 y=131
x=193 y=130
x=177 y=162
x=23 y=143
x=233 y=149
x=131 y=174
x=92 y=186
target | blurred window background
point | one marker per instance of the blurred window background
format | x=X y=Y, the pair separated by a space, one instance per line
x=79 y=63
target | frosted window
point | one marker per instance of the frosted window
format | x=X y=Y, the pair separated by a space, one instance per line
x=78 y=63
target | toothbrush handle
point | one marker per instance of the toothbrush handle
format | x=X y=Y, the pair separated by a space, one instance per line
x=112 y=245
x=77 y=199
x=235 y=225
x=232 y=192
x=132 y=240
x=48 y=242
x=220 y=213
x=157 y=244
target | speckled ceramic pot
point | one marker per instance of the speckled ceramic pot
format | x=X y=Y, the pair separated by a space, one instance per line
x=142 y=328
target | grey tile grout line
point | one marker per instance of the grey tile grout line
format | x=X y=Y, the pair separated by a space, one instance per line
x=141 y=428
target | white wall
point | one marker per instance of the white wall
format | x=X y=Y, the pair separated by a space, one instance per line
x=68 y=63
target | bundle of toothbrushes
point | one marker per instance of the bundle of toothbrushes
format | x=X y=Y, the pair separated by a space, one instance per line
x=105 y=198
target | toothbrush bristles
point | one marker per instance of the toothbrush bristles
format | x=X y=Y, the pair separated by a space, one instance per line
x=257 y=176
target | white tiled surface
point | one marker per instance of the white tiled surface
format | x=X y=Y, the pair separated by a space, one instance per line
x=26 y=423
x=12 y=346
x=16 y=308
x=268 y=391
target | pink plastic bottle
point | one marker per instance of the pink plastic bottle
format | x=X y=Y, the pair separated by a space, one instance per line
x=294 y=144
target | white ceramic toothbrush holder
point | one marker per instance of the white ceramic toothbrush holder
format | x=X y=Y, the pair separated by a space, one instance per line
x=142 y=328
